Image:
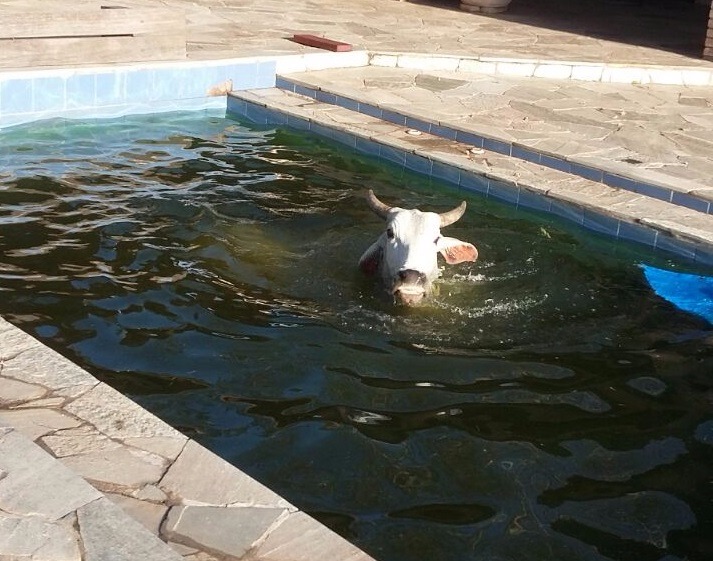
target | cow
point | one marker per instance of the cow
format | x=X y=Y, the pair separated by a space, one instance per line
x=405 y=255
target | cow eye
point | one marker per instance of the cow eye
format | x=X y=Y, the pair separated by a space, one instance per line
x=390 y=233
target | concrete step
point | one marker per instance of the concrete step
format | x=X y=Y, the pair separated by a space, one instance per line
x=532 y=122
x=606 y=209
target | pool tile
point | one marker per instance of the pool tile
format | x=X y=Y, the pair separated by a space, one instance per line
x=392 y=154
x=614 y=180
x=533 y=200
x=15 y=96
x=525 y=154
x=139 y=84
x=691 y=201
x=653 y=191
x=307 y=92
x=347 y=103
x=497 y=146
x=299 y=123
x=469 y=138
x=555 y=163
x=665 y=242
x=165 y=84
x=504 y=192
x=284 y=84
x=236 y=106
x=367 y=146
x=445 y=172
x=601 y=223
x=262 y=115
x=474 y=182
x=587 y=72
x=393 y=117
x=266 y=74
x=443 y=131
x=568 y=211
x=588 y=172
x=49 y=93
x=704 y=256
x=326 y=97
x=322 y=130
x=79 y=91
x=371 y=110
x=417 y=124
x=344 y=138
x=244 y=76
x=110 y=88
x=637 y=233
x=418 y=163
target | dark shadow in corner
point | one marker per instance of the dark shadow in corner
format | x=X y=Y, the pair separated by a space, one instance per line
x=677 y=26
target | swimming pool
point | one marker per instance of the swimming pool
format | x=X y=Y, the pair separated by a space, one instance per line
x=545 y=404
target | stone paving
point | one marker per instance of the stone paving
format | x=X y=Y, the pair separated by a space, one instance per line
x=230 y=28
x=87 y=474
x=652 y=133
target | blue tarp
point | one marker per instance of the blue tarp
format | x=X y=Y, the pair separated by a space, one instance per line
x=692 y=293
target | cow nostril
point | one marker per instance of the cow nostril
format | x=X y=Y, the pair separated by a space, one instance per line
x=411 y=276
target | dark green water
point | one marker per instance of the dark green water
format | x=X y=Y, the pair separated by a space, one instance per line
x=544 y=405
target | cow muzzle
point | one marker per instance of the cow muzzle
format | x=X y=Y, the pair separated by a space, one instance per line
x=410 y=287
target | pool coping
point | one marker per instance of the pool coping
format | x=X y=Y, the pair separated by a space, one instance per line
x=682 y=193
x=74 y=416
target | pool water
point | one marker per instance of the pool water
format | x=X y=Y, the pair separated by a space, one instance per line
x=544 y=404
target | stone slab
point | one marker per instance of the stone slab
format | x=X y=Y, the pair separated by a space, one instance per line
x=118 y=417
x=301 y=538
x=34 y=423
x=35 y=539
x=109 y=534
x=229 y=531
x=14 y=391
x=150 y=515
x=36 y=483
x=120 y=467
x=186 y=481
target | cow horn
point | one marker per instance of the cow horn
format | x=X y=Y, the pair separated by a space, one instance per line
x=448 y=218
x=376 y=205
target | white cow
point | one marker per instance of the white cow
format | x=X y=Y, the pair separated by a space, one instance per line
x=405 y=255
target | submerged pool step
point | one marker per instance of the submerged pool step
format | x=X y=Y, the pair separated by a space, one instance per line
x=683 y=193
x=608 y=210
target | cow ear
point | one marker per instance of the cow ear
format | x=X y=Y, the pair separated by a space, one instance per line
x=455 y=251
x=370 y=261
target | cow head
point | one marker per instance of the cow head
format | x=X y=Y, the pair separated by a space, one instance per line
x=405 y=255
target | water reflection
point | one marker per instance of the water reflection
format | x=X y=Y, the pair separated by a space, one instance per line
x=544 y=405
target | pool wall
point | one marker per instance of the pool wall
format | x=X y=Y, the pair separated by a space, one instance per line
x=114 y=91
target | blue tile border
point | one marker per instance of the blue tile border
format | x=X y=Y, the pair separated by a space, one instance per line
x=525 y=154
x=112 y=91
x=497 y=146
x=517 y=151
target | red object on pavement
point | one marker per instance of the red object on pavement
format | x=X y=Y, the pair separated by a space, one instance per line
x=321 y=42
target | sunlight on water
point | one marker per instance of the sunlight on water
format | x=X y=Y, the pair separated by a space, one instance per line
x=544 y=404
